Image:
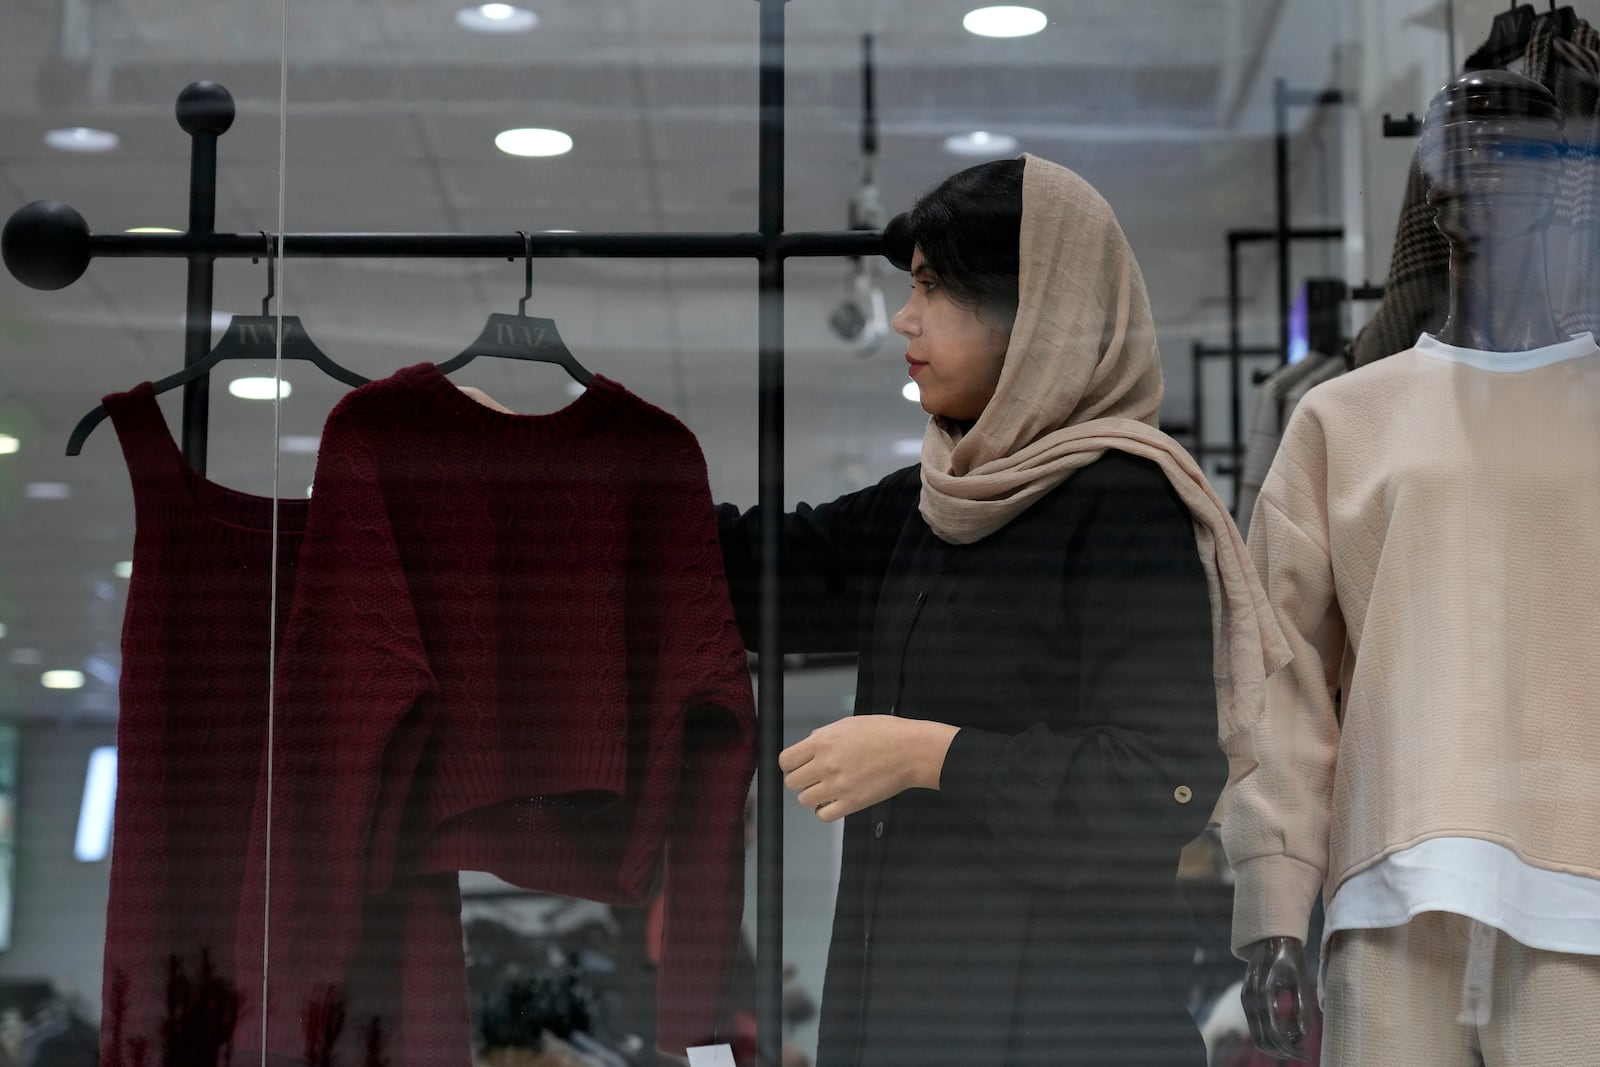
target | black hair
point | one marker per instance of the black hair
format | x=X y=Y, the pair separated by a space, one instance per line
x=969 y=228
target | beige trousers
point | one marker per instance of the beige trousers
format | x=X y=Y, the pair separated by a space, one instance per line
x=1395 y=997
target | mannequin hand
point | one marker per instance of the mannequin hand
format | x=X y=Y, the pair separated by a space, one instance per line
x=852 y=764
x=1276 y=965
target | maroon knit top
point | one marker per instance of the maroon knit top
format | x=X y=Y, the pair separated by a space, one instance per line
x=196 y=647
x=511 y=650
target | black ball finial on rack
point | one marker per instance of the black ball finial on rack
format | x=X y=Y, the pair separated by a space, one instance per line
x=45 y=245
x=205 y=107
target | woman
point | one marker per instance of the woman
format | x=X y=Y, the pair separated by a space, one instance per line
x=1037 y=707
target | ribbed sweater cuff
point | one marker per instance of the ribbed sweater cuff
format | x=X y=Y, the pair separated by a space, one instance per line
x=1272 y=897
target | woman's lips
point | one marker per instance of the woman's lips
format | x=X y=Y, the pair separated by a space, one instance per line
x=916 y=365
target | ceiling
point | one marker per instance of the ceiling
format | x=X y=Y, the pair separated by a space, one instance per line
x=392 y=111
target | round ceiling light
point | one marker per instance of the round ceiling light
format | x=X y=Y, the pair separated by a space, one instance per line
x=8 y=444
x=981 y=143
x=259 y=388
x=82 y=139
x=61 y=679
x=911 y=392
x=532 y=142
x=496 y=18
x=1005 y=21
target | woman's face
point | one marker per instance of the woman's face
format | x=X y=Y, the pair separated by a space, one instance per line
x=955 y=356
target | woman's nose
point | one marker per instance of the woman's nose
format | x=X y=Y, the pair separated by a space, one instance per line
x=904 y=322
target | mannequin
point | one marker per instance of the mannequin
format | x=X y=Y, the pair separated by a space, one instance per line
x=1491 y=142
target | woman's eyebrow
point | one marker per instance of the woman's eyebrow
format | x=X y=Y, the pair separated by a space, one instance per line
x=924 y=269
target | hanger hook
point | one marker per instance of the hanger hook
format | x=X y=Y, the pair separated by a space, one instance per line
x=272 y=272
x=527 y=273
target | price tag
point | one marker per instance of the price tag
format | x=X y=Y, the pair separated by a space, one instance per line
x=711 y=1056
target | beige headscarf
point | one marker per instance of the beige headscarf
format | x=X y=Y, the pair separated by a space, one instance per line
x=1082 y=375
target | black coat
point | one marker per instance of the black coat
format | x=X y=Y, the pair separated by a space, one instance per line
x=1025 y=912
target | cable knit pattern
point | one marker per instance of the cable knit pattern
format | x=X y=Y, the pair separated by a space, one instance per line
x=190 y=737
x=512 y=650
x=1427 y=537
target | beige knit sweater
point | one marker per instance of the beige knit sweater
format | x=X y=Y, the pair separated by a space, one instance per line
x=1429 y=537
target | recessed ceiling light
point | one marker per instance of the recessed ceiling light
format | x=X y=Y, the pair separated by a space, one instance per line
x=48 y=491
x=123 y=569
x=575 y=389
x=559 y=231
x=496 y=18
x=300 y=444
x=8 y=444
x=1004 y=21
x=533 y=142
x=61 y=679
x=259 y=388
x=2 y=631
x=980 y=143
x=82 y=139
x=152 y=229
x=911 y=392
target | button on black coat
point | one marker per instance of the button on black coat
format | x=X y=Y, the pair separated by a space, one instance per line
x=1025 y=912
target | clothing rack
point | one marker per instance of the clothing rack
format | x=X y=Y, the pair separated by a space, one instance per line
x=48 y=245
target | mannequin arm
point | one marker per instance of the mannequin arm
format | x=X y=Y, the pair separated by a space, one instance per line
x=1276 y=965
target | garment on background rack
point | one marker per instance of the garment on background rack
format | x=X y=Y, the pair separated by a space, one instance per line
x=1267 y=420
x=1418 y=287
x=511 y=650
x=191 y=735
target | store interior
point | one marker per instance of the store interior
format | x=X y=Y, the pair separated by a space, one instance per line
x=1196 y=121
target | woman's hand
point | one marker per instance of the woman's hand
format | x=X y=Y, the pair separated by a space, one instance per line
x=857 y=762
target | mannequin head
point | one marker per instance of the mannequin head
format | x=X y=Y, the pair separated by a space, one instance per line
x=1491 y=148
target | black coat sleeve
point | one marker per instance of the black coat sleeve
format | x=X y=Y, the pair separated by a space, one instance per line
x=833 y=555
x=1122 y=768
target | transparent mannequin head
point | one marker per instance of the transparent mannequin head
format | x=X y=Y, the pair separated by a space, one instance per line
x=1491 y=147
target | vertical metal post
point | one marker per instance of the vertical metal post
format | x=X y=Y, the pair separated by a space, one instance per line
x=1280 y=107
x=205 y=111
x=1235 y=359
x=1196 y=405
x=769 y=815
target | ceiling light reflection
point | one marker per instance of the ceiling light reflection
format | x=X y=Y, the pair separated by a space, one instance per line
x=496 y=18
x=981 y=143
x=82 y=139
x=259 y=388
x=532 y=142
x=1005 y=21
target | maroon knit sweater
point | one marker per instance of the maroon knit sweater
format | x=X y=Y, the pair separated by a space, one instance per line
x=511 y=650
x=192 y=729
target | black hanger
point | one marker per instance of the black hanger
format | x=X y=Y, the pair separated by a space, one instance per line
x=520 y=336
x=247 y=337
x=1508 y=37
x=1566 y=20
